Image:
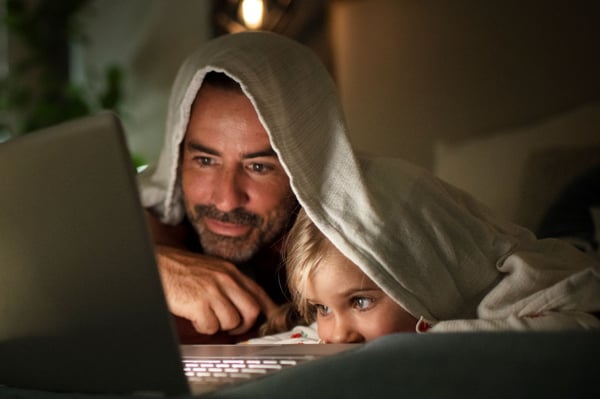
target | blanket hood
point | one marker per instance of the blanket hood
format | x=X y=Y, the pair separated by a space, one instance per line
x=431 y=247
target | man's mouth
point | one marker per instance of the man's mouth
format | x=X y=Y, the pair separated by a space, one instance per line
x=227 y=229
x=236 y=223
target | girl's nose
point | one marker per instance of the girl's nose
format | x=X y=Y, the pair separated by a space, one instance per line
x=342 y=332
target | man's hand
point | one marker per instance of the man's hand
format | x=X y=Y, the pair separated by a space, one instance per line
x=210 y=292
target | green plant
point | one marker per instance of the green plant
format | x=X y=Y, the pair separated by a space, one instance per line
x=38 y=90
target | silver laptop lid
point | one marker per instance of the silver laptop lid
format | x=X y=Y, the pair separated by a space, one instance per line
x=81 y=304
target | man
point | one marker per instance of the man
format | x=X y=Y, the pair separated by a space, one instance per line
x=238 y=202
x=219 y=200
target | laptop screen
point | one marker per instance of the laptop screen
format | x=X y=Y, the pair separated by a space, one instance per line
x=81 y=304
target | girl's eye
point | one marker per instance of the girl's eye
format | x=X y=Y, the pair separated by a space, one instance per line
x=321 y=310
x=362 y=303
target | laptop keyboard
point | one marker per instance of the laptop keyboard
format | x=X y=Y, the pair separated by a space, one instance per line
x=222 y=371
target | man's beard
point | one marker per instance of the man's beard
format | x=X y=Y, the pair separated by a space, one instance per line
x=238 y=249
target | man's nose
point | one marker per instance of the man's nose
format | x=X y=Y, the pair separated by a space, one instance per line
x=229 y=191
x=343 y=332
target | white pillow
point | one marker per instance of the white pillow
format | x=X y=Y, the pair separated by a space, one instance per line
x=519 y=172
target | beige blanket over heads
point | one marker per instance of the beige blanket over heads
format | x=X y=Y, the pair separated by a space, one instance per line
x=438 y=252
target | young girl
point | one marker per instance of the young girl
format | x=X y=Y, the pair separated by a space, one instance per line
x=329 y=289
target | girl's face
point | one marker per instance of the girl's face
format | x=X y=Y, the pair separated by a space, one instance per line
x=349 y=307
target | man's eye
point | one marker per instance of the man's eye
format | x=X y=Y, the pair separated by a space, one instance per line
x=204 y=161
x=260 y=168
x=362 y=303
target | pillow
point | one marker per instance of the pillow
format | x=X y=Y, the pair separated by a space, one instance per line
x=518 y=172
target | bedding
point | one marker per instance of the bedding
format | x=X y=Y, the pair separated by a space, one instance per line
x=465 y=365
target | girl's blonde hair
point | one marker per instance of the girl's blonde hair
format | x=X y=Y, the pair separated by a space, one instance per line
x=304 y=249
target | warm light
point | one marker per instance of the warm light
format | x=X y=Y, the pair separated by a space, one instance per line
x=252 y=13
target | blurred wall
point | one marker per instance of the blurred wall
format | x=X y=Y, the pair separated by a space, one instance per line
x=412 y=73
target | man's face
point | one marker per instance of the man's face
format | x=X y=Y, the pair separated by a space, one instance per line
x=236 y=193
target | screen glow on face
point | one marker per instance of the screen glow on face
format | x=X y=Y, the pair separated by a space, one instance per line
x=349 y=306
x=236 y=192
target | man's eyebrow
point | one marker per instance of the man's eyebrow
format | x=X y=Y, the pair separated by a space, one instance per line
x=268 y=152
x=201 y=148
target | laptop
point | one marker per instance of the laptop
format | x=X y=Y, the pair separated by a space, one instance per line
x=81 y=304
